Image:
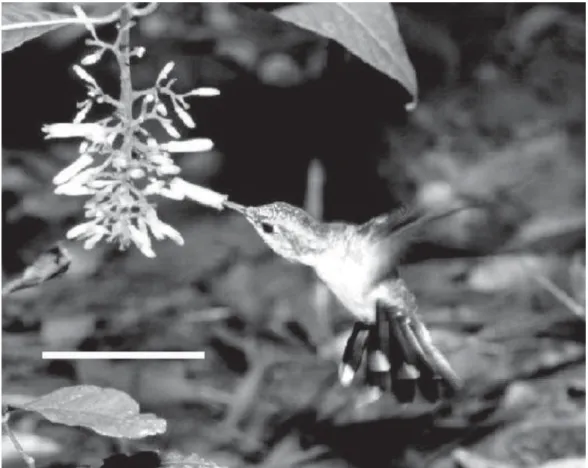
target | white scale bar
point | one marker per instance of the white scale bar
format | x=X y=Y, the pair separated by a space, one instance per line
x=123 y=355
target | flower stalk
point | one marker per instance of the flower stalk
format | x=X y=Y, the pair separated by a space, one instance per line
x=121 y=166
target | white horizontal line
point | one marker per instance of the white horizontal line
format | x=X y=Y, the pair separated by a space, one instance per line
x=123 y=355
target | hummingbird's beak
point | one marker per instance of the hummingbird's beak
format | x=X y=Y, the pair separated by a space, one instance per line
x=235 y=206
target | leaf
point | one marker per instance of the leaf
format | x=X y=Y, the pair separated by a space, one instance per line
x=50 y=264
x=22 y=22
x=565 y=463
x=107 y=411
x=367 y=30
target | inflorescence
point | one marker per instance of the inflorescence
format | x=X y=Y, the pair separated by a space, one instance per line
x=121 y=166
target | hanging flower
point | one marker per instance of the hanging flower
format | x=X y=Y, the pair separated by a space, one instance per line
x=120 y=165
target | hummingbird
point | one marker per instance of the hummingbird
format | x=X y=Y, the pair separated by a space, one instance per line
x=359 y=264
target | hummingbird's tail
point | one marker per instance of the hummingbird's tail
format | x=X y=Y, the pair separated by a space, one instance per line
x=401 y=358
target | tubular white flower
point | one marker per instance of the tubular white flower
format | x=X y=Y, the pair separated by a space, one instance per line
x=92 y=58
x=171 y=193
x=66 y=174
x=153 y=188
x=73 y=189
x=154 y=223
x=82 y=15
x=100 y=184
x=81 y=230
x=184 y=116
x=204 y=92
x=169 y=169
x=84 y=75
x=93 y=240
x=111 y=136
x=165 y=71
x=91 y=131
x=137 y=173
x=170 y=232
x=169 y=128
x=199 y=194
x=141 y=240
x=160 y=158
x=188 y=146
x=161 y=109
x=83 y=176
x=83 y=112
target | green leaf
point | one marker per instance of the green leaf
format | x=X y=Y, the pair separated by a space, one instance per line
x=367 y=30
x=107 y=411
x=22 y=22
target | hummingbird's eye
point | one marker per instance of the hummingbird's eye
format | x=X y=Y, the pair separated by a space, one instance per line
x=267 y=228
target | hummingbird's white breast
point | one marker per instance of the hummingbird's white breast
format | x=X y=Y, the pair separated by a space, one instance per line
x=345 y=273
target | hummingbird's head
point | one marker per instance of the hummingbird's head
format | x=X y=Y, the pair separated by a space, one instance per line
x=289 y=231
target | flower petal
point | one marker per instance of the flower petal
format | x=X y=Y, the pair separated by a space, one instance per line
x=184 y=116
x=204 y=92
x=72 y=189
x=141 y=240
x=93 y=240
x=170 y=232
x=169 y=128
x=188 y=146
x=199 y=194
x=165 y=71
x=91 y=131
x=84 y=75
x=80 y=230
x=83 y=112
x=92 y=58
x=74 y=168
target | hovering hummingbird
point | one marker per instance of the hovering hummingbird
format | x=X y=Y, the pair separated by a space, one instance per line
x=359 y=264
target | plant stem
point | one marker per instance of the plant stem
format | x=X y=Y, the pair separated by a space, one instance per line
x=126 y=85
x=29 y=461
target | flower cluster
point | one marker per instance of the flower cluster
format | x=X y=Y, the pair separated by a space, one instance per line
x=121 y=166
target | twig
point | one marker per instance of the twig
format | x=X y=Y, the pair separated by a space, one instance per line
x=126 y=86
x=30 y=461
x=561 y=296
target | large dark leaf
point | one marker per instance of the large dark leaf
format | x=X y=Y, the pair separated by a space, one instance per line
x=22 y=22
x=368 y=30
x=106 y=411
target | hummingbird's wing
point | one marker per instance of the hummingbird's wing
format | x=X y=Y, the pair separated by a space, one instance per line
x=387 y=223
x=387 y=238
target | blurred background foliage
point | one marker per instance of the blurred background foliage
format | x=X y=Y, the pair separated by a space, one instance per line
x=501 y=117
